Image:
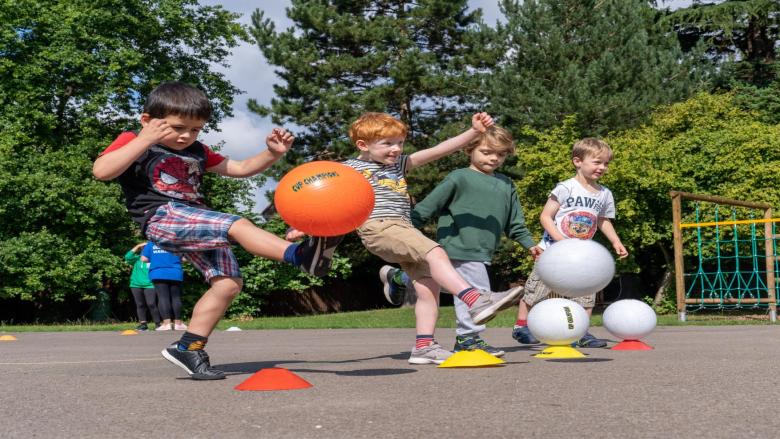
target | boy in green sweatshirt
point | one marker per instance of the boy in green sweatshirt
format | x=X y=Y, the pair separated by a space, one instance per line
x=475 y=207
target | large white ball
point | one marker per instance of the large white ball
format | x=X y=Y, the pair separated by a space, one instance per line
x=558 y=322
x=629 y=319
x=576 y=267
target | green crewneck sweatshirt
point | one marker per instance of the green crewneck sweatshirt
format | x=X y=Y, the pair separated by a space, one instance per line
x=474 y=210
x=139 y=278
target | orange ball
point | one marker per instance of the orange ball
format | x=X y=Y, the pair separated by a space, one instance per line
x=324 y=198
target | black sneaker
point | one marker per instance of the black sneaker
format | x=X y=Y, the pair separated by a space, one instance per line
x=142 y=327
x=394 y=292
x=196 y=363
x=471 y=343
x=316 y=254
x=589 y=341
x=523 y=335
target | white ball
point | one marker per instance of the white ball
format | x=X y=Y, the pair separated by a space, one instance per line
x=576 y=267
x=558 y=322
x=629 y=319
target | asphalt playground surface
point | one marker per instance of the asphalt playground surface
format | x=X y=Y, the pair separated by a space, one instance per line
x=714 y=382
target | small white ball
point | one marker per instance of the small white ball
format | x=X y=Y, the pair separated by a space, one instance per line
x=558 y=322
x=629 y=319
x=576 y=267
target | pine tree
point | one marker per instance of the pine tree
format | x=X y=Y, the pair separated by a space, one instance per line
x=413 y=59
x=741 y=35
x=604 y=60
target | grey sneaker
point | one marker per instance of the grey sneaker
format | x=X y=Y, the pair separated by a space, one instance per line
x=490 y=303
x=431 y=354
x=474 y=342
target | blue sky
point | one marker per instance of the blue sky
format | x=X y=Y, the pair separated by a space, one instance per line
x=248 y=70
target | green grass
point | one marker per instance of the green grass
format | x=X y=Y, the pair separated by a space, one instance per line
x=380 y=318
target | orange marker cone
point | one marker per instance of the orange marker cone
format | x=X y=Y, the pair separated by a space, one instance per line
x=129 y=332
x=7 y=338
x=632 y=345
x=275 y=378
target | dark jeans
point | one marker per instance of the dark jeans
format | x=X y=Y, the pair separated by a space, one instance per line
x=168 y=298
x=146 y=298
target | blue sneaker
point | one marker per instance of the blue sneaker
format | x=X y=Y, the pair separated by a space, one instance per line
x=316 y=254
x=523 y=335
x=589 y=341
x=394 y=291
x=474 y=342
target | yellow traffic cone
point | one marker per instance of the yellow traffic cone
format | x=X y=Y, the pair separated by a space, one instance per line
x=475 y=358
x=559 y=352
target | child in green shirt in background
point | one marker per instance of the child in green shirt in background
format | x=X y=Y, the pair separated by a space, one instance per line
x=475 y=207
x=142 y=288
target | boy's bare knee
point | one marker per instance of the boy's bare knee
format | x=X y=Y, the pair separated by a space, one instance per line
x=238 y=226
x=229 y=286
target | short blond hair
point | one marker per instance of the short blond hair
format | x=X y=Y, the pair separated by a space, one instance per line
x=494 y=137
x=590 y=146
x=373 y=126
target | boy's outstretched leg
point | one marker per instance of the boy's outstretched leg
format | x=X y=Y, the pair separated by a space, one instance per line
x=483 y=305
x=426 y=312
x=188 y=353
x=312 y=256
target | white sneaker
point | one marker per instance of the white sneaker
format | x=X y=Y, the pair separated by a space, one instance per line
x=431 y=354
x=167 y=327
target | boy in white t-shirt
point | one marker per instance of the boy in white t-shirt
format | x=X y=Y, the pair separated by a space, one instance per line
x=574 y=209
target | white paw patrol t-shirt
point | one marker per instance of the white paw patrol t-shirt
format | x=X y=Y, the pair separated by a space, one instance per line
x=580 y=210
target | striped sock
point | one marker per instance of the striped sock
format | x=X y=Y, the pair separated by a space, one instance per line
x=423 y=341
x=469 y=296
x=192 y=342
x=521 y=322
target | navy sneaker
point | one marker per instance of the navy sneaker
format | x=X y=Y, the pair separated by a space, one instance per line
x=523 y=335
x=474 y=342
x=589 y=341
x=195 y=363
x=394 y=292
x=142 y=327
x=316 y=254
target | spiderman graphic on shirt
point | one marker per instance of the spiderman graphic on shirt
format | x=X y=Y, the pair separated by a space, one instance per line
x=177 y=177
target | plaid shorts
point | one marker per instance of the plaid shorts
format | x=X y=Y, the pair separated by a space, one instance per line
x=536 y=291
x=198 y=234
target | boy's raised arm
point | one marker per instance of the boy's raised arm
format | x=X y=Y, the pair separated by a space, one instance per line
x=278 y=141
x=479 y=123
x=112 y=164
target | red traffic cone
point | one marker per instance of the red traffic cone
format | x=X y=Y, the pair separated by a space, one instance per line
x=275 y=378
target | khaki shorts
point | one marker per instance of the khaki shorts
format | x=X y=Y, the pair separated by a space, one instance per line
x=397 y=241
x=536 y=291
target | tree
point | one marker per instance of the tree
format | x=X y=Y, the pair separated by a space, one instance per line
x=741 y=35
x=413 y=59
x=606 y=61
x=707 y=145
x=72 y=76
